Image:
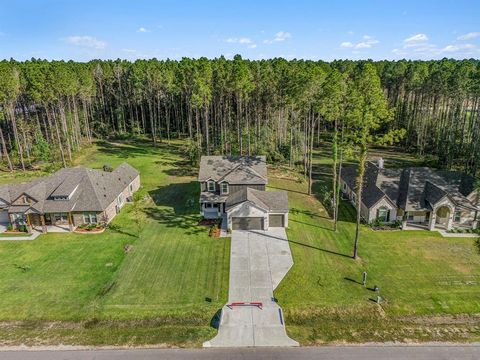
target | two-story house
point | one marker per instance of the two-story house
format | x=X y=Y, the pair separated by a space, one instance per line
x=234 y=188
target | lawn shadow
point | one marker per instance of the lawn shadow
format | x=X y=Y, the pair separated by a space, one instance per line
x=352 y=280
x=215 y=322
x=308 y=224
x=176 y=206
x=305 y=245
x=182 y=168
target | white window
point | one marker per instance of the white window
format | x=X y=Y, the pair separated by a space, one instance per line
x=383 y=214
x=60 y=217
x=344 y=186
x=211 y=185
x=410 y=215
x=19 y=218
x=120 y=200
x=89 y=218
x=224 y=188
x=130 y=188
x=458 y=216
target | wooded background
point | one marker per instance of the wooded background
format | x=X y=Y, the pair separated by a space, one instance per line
x=280 y=108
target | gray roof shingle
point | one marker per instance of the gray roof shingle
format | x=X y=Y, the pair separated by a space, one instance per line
x=414 y=188
x=88 y=189
x=268 y=200
x=234 y=169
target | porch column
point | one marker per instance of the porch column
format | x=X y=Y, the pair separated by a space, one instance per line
x=29 y=224
x=475 y=221
x=433 y=220
x=70 y=222
x=450 y=219
x=42 y=221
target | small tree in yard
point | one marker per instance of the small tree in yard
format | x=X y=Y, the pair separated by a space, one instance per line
x=367 y=112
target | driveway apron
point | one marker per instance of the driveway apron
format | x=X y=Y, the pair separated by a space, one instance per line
x=259 y=260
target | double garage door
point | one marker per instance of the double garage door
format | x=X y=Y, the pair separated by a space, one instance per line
x=256 y=223
x=247 y=223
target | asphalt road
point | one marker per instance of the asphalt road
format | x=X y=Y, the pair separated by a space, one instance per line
x=420 y=352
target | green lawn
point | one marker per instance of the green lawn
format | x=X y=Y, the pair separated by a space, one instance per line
x=85 y=289
x=170 y=284
x=421 y=275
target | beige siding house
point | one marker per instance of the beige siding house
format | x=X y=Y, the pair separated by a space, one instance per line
x=419 y=196
x=233 y=188
x=68 y=198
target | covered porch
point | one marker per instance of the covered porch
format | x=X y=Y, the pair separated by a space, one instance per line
x=50 y=222
x=212 y=206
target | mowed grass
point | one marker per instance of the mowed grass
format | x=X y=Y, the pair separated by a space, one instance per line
x=421 y=275
x=172 y=269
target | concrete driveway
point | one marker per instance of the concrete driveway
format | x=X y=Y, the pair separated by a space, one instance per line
x=259 y=260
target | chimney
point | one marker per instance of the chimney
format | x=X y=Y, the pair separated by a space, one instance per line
x=380 y=163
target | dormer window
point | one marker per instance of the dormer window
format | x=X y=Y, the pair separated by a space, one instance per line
x=211 y=185
x=224 y=188
x=60 y=198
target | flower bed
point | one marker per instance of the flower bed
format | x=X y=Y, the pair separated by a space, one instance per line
x=90 y=229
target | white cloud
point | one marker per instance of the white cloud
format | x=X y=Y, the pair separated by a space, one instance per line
x=469 y=36
x=279 y=37
x=457 y=48
x=86 y=41
x=368 y=42
x=243 y=40
x=415 y=40
x=131 y=51
x=143 y=30
x=347 y=44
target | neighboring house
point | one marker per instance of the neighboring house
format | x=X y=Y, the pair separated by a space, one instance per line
x=416 y=195
x=68 y=198
x=234 y=188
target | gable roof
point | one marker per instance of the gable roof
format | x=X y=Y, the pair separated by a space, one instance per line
x=86 y=189
x=234 y=169
x=414 y=188
x=268 y=200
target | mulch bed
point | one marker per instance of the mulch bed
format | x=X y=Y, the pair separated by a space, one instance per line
x=93 y=231
x=208 y=222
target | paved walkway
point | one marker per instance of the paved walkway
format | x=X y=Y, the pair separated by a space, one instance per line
x=33 y=236
x=259 y=260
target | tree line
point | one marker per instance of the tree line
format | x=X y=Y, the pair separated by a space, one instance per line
x=276 y=107
x=240 y=107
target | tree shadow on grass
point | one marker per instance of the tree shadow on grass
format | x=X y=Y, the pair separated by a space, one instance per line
x=176 y=206
x=308 y=213
x=169 y=218
x=305 y=245
x=182 y=168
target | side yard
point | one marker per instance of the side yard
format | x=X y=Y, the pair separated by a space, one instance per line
x=430 y=284
x=154 y=277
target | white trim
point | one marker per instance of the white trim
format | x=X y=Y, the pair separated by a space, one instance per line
x=249 y=202
x=208 y=185
x=221 y=188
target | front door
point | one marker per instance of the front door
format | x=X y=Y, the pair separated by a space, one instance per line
x=48 y=219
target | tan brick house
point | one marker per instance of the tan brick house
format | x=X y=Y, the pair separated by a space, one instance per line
x=68 y=198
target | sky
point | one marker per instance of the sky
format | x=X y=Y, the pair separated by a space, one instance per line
x=318 y=30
